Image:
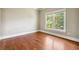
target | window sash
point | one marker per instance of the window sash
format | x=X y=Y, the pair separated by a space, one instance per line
x=53 y=20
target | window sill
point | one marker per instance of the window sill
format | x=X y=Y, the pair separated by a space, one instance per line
x=64 y=31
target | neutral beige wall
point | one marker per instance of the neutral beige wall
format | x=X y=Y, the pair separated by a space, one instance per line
x=38 y=22
x=19 y=20
x=14 y=21
x=72 y=21
x=0 y=24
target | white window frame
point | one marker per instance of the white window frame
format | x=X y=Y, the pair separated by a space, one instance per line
x=61 y=10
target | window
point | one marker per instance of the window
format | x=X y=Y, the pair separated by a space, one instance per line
x=56 y=20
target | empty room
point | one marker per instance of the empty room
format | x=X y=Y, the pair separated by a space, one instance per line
x=39 y=28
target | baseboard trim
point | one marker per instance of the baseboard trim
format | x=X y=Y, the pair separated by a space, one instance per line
x=5 y=37
x=62 y=36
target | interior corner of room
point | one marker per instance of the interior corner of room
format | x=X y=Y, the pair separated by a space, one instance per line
x=20 y=21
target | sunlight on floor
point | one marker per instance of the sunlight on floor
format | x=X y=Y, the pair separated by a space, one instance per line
x=48 y=43
x=58 y=45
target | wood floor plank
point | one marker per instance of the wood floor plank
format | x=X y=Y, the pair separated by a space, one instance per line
x=38 y=41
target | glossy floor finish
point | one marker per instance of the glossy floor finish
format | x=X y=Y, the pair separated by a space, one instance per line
x=38 y=41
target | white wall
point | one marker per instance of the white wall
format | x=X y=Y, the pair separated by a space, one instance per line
x=72 y=22
x=19 y=20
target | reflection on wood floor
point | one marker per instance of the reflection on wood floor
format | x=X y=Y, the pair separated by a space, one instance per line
x=38 y=41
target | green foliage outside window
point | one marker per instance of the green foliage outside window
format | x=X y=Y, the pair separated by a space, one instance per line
x=55 y=21
x=59 y=21
x=49 y=22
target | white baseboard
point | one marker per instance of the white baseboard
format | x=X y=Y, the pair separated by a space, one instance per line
x=4 y=37
x=63 y=36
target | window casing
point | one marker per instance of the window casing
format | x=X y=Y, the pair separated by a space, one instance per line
x=56 y=20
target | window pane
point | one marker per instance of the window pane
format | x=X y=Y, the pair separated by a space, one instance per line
x=59 y=20
x=49 y=21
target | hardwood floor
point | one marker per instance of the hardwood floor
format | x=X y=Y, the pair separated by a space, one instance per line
x=38 y=41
